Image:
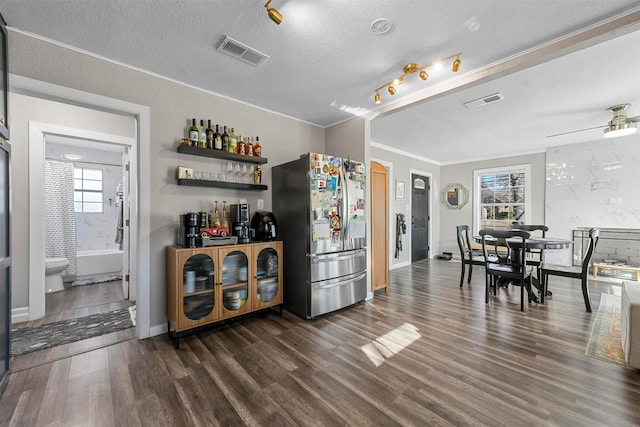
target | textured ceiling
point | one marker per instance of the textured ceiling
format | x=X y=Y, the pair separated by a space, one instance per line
x=325 y=62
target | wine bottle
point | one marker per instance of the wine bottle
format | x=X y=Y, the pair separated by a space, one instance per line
x=233 y=141
x=202 y=136
x=193 y=133
x=225 y=139
x=248 y=148
x=209 y=135
x=217 y=139
x=257 y=148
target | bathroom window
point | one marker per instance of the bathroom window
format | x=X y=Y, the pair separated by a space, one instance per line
x=87 y=186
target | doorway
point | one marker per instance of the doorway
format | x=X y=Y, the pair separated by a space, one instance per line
x=38 y=135
x=420 y=187
x=91 y=210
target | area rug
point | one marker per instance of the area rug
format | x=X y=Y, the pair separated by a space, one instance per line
x=97 y=279
x=605 y=343
x=26 y=340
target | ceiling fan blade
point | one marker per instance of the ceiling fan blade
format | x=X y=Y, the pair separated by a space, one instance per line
x=635 y=119
x=574 y=131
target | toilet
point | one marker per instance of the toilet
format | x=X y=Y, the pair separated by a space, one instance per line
x=53 y=268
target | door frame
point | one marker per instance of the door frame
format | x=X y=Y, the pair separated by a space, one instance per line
x=141 y=189
x=430 y=210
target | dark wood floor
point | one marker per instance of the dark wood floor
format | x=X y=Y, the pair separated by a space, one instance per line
x=426 y=353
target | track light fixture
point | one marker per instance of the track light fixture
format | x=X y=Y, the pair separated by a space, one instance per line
x=412 y=68
x=274 y=15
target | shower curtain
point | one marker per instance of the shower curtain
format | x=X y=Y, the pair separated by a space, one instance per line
x=60 y=217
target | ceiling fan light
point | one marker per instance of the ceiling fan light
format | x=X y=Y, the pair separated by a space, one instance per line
x=392 y=90
x=424 y=75
x=378 y=98
x=622 y=129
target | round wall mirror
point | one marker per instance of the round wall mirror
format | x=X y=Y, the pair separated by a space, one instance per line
x=455 y=196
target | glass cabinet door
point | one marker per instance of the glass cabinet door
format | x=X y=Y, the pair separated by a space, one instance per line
x=198 y=287
x=235 y=281
x=268 y=280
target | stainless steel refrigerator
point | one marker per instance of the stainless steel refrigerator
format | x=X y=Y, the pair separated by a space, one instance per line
x=319 y=201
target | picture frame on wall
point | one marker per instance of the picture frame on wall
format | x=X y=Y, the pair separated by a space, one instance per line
x=400 y=190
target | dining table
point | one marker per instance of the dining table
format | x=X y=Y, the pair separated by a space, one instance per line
x=541 y=243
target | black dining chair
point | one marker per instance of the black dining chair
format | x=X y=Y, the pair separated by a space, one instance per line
x=468 y=256
x=511 y=265
x=572 y=271
x=535 y=256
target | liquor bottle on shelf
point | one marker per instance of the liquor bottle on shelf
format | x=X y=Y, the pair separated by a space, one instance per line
x=193 y=133
x=209 y=132
x=241 y=145
x=217 y=139
x=224 y=223
x=202 y=136
x=248 y=148
x=216 y=216
x=257 y=148
x=233 y=141
x=225 y=139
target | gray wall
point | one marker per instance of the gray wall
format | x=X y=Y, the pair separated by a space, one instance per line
x=170 y=104
x=463 y=173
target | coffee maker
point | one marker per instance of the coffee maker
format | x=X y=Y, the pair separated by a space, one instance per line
x=240 y=222
x=189 y=229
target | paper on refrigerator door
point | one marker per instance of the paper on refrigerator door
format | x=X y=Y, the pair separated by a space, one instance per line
x=321 y=230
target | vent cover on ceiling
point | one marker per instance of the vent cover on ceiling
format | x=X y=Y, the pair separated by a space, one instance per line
x=242 y=52
x=489 y=99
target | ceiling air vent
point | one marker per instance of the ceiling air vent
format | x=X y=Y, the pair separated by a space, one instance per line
x=489 y=99
x=242 y=52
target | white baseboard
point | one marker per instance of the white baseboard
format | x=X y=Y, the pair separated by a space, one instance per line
x=402 y=264
x=20 y=314
x=157 y=330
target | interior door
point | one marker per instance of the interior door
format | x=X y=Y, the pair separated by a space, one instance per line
x=380 y=227
x=124 y=206
x=420 y=187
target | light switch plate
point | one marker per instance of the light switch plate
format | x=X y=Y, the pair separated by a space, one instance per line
x=260 y=204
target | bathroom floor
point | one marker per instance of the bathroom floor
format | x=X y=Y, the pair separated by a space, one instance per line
x=79 y=301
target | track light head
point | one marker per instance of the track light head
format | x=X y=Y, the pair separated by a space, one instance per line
x=274 y=15
x=424 y=75
x=398 y=81
x=378 y=98
x=456 y=65
x=392 y=90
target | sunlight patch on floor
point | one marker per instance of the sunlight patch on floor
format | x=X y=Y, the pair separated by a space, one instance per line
x=391 y=343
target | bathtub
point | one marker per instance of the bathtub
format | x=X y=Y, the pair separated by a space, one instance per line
x=99 y=262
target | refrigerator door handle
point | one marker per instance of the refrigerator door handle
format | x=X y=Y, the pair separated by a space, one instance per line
x=331 y=258
x=345 y=204
x=340 y=283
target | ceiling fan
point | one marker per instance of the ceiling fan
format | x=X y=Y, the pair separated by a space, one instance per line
x=620 y=124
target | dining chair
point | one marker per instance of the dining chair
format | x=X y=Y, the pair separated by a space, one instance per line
x=468 y=256
x=572 y=271
x=511 y=265
x=535 y=256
